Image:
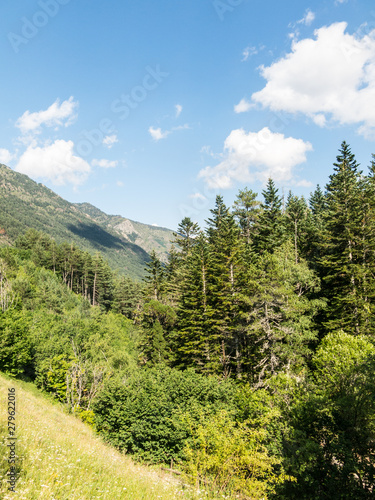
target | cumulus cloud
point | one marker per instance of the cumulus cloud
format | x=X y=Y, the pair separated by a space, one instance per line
x=104 y=163
x=330 y=78
x=157 y=134
x=257 y=156
x=243 y=106
x=55 y=162
x=110 y=140
x=178 y=108
x=56 y=115
x=5 y=156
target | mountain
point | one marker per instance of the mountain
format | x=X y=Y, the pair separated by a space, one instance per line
x=144 y=235
x=125 y=244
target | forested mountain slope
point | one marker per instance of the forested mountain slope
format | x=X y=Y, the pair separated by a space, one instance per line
x=26 y=204
x=144 y=235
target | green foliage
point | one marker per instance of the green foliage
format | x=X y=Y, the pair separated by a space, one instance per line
x=270 y=227
x=142 y=414
x=229 y=457
x=331 y=449
x=277 y=401
x=53 y=374
x=16 y=351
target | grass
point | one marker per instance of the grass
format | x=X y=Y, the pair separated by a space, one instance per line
x=61 y=458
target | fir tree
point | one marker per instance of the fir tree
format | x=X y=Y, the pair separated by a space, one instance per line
x=296 y=217
x=269 y=229
x=192 y=342
x=341 y=245
x=246 y=211
x=154 y=278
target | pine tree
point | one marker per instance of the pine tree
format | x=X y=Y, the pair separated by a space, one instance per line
x=296 y=222
x=367 y=204
x=192 y=341
x=341 y=245
x=280 y=316
x=187 y=231
x=102 y=293
x=127 y=297
x=224 y=267
x=269 y=229
x=154 y=278
x=246 y=211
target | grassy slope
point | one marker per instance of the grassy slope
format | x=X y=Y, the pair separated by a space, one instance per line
x=63 y=459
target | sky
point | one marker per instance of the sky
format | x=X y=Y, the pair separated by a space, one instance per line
x=149 y=109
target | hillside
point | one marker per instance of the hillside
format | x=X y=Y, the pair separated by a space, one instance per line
x=61 y=457
x=144 y=235
x=125 y=244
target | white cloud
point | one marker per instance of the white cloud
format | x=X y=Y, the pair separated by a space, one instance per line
x=55 y=162
x=56 y=115
x=257 y=156
x=120 y=184
x=198 y=196
x=186 y=126
x=104 y=163
x=330 y=78
x=308 y=18
x=243 y=106
x=248 y=52
x=5 y=156
x=178 y=108
x=157 y=134
x=110 y=140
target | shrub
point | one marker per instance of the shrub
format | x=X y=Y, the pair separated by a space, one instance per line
x=142 y=415
x=230 y=457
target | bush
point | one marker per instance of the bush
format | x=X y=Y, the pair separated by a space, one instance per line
x=142 y=415
x=230 y=457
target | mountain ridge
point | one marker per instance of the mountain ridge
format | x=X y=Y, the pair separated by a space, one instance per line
x=126 y=244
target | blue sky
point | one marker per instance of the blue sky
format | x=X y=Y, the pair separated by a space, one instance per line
x=148 y=109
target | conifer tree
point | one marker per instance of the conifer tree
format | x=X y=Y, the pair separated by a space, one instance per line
x=341 y=245
x=127 y=297
x=154 y=278
x=269 y=229
x=367 y=204
x=246 y=211
x=102 y=293
x=224 y=267
x=192 y=342
x=187 y=231
x=280 y=316
x=296 y=222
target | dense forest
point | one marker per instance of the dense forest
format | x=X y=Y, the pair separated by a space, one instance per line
x=247 y=360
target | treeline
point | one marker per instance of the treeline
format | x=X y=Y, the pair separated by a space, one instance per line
x=247 y=359
x=87 y=275
x=255 y=292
